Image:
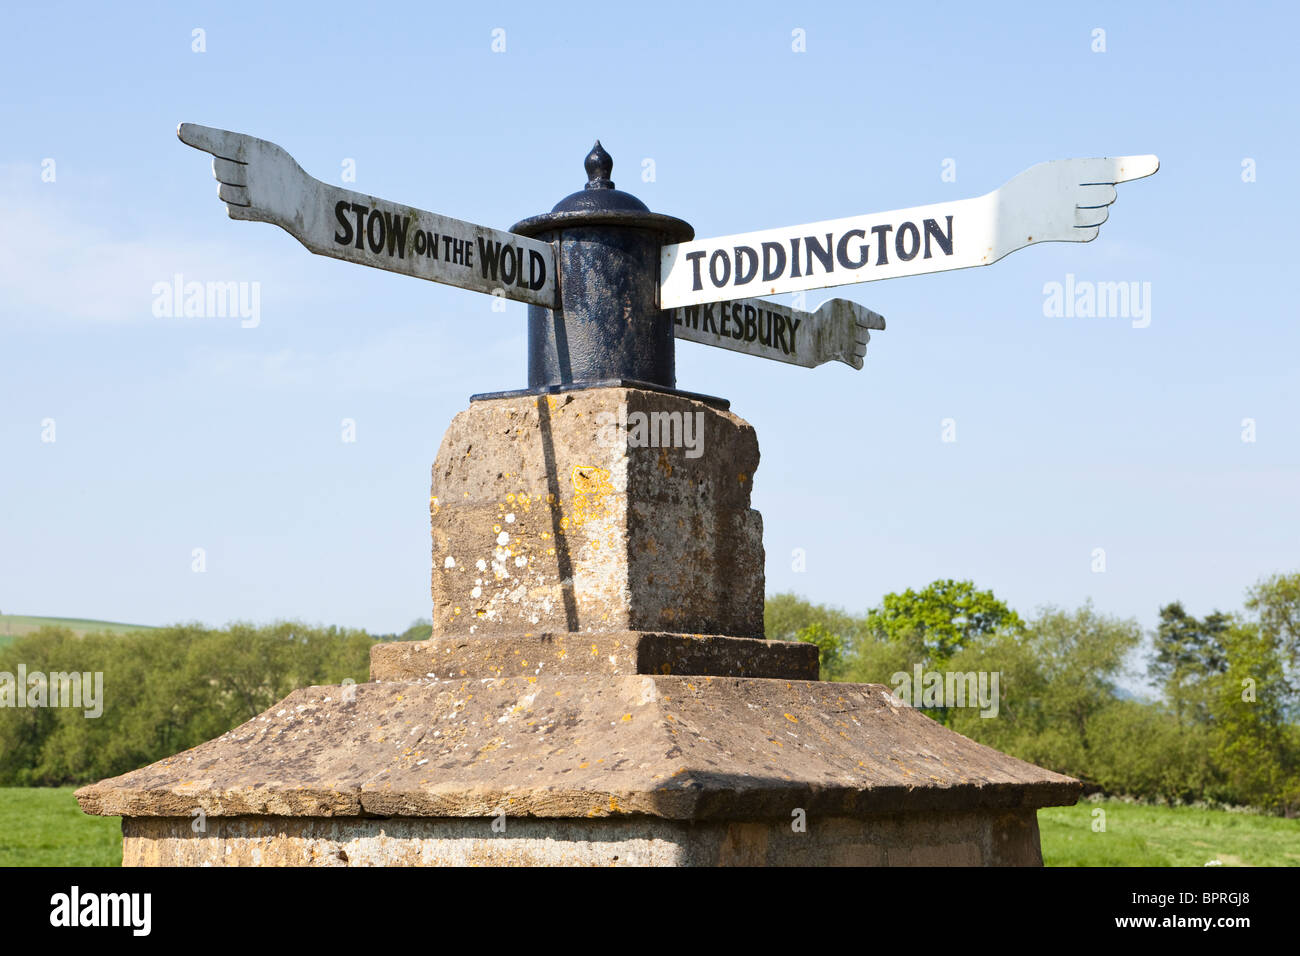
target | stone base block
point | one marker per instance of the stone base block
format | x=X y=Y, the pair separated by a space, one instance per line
x=616 y=654
x=955 y=838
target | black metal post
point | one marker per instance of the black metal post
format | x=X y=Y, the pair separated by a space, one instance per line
x=608 y=329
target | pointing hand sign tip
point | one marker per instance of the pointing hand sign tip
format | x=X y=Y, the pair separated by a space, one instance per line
x=1127 y=168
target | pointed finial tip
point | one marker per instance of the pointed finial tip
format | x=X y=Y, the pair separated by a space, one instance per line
x=599 y=165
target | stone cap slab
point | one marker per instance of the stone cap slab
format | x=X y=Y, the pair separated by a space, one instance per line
x=682 y=748
x=617 y=653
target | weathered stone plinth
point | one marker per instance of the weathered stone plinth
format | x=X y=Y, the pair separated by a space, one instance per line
x=676 y=769
x=544 y=519
x=593 y=693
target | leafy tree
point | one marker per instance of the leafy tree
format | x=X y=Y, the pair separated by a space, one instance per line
x=787 y=617
x=1275 y=602
x=940 y=620
x=421 y=629
x=830 y=647
x=1021 y=720
x=1082 y=654
x=1188 y=655
x=1254 y=744
x=1257 y=705
x=1057 y=676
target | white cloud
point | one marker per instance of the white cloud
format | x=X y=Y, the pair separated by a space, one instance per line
x=69 y=260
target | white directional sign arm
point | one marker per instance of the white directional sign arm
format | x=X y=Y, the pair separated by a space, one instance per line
x=1062 y=201
x=263 y=183
x=837 y=331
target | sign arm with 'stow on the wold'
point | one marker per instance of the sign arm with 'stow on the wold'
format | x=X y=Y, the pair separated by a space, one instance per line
x=1065 y=200
x=261 y=182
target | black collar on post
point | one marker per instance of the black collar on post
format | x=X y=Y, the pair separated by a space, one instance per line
x=609 y=329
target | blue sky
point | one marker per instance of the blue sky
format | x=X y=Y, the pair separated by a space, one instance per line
x=1072 y=433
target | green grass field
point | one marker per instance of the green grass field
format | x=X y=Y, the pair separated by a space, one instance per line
x=1138 y=835
x=45 y=827
x=16 y=625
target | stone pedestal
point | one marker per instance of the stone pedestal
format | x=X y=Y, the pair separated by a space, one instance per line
x=595 y=690
x=545 y=519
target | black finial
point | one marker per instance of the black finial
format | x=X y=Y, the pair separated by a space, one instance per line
x=599 y=165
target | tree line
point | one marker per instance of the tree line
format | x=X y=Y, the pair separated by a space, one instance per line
x=1222 y=724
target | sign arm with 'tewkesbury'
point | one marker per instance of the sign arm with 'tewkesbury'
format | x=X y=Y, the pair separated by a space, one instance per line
x=838 y=331
x=261 y=182
x=1065 y=200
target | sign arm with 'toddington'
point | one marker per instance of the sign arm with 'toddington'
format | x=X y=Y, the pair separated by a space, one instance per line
x=1065 y=200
